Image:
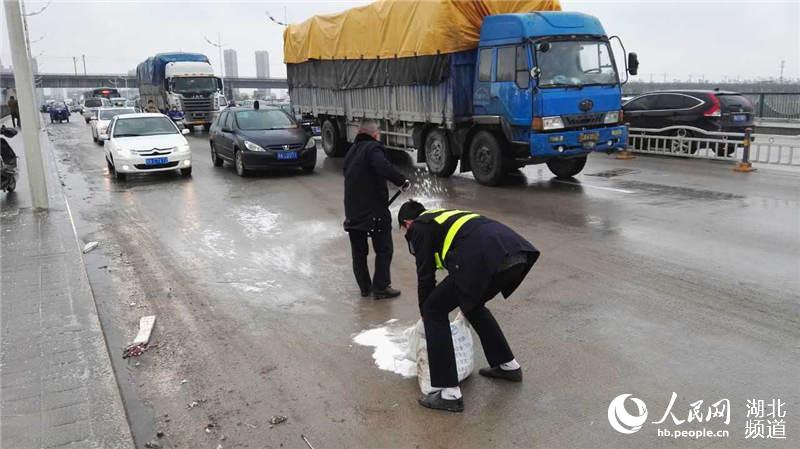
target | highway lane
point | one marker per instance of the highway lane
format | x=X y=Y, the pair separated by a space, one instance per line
x=658 y=275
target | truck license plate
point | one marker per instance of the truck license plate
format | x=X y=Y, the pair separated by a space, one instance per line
x=589 y=137
x=740 y=117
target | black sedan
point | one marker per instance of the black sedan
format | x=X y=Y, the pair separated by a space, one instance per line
x=257 y=139
x=688 y=113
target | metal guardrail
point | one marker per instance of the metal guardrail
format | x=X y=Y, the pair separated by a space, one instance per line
x=782 y=105
x=698 y=143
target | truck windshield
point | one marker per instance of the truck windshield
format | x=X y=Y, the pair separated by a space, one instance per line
x=189 y=84
x=145 y=126
x=264 y=119
x=575 y=63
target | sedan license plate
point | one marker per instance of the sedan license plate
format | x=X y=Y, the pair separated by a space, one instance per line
x=156 y=161
x=287 y=155
x=315 y=129
x=739 y=117
x=589 y=137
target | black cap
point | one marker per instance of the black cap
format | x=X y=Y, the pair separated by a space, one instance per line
x=410 y=210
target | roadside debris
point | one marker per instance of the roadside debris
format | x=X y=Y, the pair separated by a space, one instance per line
x=194 y=404
x=210 y=427
x=139 y=344
x=89 y=246
x=152 y=444
x=278 y=419
x=308 y=443
x=184 y=381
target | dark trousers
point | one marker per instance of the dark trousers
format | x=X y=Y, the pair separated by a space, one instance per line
x=435 y=310
x=382 y=245
x=15 y=120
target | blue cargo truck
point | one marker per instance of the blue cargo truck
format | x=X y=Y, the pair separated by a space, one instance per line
x=540 y=87
x=182 y=80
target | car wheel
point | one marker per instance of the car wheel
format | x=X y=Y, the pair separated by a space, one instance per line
x=566 y=168
x=438 y=156
x=186 y=172
x=12 y=184
x=239 y=163
x=309 y=168
x=486 y=159
x=120 y=176
x=215 y=159
x=332 y=142
x=680 y=146
x=94 y=139
x=110 y=166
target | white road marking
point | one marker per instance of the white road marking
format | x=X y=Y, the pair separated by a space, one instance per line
x=581 y=184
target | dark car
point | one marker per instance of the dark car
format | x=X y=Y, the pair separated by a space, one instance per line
x=678 y=110
x=59 y=112
x=256 y=139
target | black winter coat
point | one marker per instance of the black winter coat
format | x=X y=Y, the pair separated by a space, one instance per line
x=478 y=251
x=366 y=197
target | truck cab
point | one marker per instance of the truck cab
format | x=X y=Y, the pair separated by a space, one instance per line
x=550 y=81
x=193 y=88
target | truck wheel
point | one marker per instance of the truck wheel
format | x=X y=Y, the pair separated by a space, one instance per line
x=438 y=156
x=486 y=159
x=332 y=142
x=566 y=168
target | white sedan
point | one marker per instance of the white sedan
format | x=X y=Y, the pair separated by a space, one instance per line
x=146 y=143
x=100 y=123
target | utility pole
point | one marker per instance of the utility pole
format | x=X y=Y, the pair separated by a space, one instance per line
x=23 y=79
x=783 y=62
x=219 y=46
x=84 y=64
x=75 y=65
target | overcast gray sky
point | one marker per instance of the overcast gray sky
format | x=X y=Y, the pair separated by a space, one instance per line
x=715 y=39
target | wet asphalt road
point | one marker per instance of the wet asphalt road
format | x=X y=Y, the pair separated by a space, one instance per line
x=657 y=276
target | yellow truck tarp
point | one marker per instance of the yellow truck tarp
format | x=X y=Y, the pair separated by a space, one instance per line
x=398 y=28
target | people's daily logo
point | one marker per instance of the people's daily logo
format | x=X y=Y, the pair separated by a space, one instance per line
x=621 y=420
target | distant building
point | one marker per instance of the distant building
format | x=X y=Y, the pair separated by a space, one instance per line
x=231 y=69
x=262 y=71
x=231 y=64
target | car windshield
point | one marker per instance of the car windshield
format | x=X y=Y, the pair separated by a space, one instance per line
x=189 y=84
x=264 y=119
x=108 y=114
x=144 y=126
x=93 y=103
x=575 y=63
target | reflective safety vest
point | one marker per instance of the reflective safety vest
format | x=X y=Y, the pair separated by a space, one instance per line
x=456 y=219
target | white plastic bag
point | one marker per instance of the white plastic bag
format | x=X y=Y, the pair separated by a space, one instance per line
x=462 y=344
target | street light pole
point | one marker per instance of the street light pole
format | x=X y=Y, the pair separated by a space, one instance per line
x=23 y=79
x=75 y=65
x=219 y=45
x=84 y=64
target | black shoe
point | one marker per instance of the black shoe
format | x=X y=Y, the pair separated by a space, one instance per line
x=365 y=293
x=498 y=373
x=386 y=293
x=436 y=402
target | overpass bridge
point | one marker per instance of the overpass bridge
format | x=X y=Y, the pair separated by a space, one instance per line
x=66 y=80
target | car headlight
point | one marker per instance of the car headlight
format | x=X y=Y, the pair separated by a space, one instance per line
x=182 y=148
x=124 y=152
x=251 y=146
x=550 y=123
x=612 y=117
x=102 y=129
x=311 y=143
